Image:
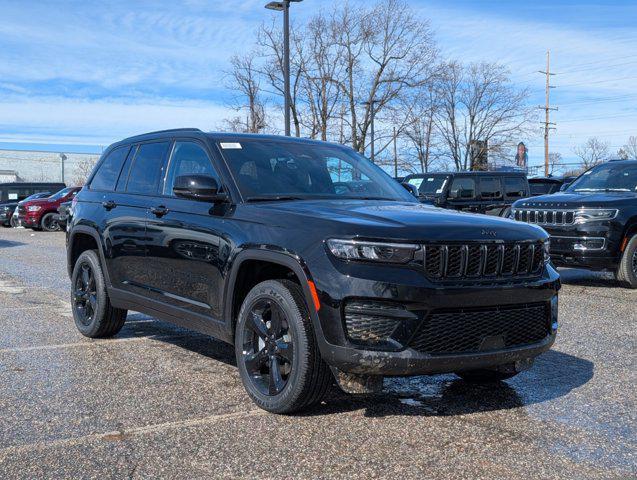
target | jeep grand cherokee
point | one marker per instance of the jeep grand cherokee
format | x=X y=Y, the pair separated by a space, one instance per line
x=248 y=239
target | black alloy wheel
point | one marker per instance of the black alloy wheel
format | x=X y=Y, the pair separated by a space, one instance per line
x=50 y=222
x=268 y=350
x=277 y=353
x=85 y=295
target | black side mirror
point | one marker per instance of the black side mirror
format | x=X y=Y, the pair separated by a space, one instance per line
x=198 y=187
x=411 y=189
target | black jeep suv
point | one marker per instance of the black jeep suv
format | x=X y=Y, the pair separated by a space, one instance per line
x=491 y=193
x=247 y=238
x=593 y=222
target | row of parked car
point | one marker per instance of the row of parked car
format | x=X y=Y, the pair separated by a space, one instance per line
x=35 y=206
x=590 y=218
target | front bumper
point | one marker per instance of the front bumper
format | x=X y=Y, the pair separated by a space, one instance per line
x=422 y=300
x=594 y=246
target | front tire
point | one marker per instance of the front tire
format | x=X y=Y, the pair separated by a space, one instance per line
x=627 y=270
x=93 y=313
x=277 y=354
x=50 y=223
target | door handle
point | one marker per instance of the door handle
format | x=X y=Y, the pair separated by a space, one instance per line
x=159 y=211
x=109 y=204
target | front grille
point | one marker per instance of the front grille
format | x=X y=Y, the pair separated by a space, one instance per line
x=487 y=261
x=546 y=217
x=482 y=329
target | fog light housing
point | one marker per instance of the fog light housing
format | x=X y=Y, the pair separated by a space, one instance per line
x=554 y=307
x=584 y=244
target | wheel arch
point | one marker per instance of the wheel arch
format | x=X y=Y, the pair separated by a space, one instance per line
x=280 y=262
x=630 y=229
x=80 y=239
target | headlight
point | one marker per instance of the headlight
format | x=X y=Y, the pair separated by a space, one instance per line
x=547 y=251
x=592 y=214
x=372 y=251
x=34 y=208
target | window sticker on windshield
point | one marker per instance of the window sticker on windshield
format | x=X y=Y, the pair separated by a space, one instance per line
x=230 y=145
x=13 y=196
x=430 y=179
x=416 y=182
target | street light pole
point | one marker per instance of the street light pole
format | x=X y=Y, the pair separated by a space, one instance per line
x=372 y=113
x=286 y=54
x=285 y=7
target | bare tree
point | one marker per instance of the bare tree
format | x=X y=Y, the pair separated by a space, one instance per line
x=630 y=148
x=593 y=152
x=480 y=106
x=82 y=171
x=245 y=82
x=322 y=64
x=387 y=51
x=555 y=162
x=419 y=128
x=270 y=43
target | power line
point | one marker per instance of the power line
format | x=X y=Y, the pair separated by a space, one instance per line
x=588 y=69
x=599 y=81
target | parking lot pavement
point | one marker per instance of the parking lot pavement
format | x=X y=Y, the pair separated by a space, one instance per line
x=159 y=401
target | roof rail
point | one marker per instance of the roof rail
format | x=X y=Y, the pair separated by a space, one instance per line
x=187 y=129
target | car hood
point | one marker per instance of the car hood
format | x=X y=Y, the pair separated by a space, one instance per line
x=38 y=201
x=389 y=220
x=578 y=199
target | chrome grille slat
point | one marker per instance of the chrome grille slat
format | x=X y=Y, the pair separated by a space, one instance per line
x=545 y=217
x=479 y=261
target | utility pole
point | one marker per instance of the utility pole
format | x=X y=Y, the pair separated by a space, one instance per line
x=63 y=158
x=547 y=108
x=395 y=156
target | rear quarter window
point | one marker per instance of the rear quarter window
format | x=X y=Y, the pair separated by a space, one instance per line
x=106 y=176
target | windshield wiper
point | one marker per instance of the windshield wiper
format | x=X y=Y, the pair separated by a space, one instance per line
x=273 y=198
x=355 y=197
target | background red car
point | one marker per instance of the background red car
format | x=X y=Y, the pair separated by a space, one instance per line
x=42 y=214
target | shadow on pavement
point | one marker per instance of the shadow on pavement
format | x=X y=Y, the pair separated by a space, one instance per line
x=587 y=278
x=554 y=375
x=10 y=243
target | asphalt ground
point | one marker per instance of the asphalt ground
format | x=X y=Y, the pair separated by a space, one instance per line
x=158 y=401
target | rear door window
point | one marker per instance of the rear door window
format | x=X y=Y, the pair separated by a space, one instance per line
x=490 y=188
x=515 y=187
x=463 y=188
x=106 y=176
x=147 y=168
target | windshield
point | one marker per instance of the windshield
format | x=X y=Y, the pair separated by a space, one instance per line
x=38 y=195
x=62 y=193
x=283 y=170
x=429 y=184
x=608 y=177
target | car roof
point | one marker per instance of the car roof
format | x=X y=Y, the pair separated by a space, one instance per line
x=218 y=136
x=546 y=179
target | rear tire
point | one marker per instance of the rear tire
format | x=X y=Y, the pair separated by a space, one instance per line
x=485 y=376
x=49 y=222
x=276 y=349
x=627 y=271
x=93 y=313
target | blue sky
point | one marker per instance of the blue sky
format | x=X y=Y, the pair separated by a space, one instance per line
x=79 y=75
